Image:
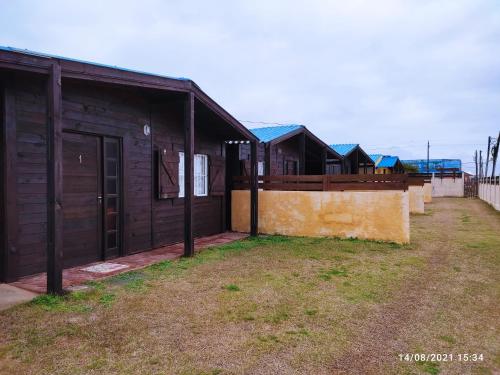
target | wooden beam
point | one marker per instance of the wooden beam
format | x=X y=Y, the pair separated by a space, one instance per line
x=267 y=159
x=254 y=191
x=323 y=160
x=302 y=154
x=188 y=174
x=54 y=182
x=9 y=254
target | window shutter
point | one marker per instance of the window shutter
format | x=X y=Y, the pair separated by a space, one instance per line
x=245 y=167
x=168 y=174
x=216 y=175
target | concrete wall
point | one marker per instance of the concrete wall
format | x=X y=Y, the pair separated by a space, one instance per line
x=375 y=215
x=447 y=187
x=416 y=195
x=427 y=192
x=490 y=193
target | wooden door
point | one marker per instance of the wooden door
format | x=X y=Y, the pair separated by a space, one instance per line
x=82 y=189
x=112 y=197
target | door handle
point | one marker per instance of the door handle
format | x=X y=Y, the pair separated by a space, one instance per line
x=99 y=199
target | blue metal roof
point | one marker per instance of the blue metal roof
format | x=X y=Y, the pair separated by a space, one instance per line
x=268 y=133
x=387 y=161
x=375 y=157
x=46 y=55
x=434 y=164
x=344 y=149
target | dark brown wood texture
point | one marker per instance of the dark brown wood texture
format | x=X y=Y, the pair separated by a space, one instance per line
x=82 y=185
x=168 y=174
x=188 y=174
x=54 y=181
x=27 y=147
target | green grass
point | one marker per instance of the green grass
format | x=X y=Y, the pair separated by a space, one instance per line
x=232 y=288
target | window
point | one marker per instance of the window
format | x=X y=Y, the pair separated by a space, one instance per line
x=181 y=175
x=200 y=175
x=260 y=168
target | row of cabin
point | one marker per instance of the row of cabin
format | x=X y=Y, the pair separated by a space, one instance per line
x=99 y=162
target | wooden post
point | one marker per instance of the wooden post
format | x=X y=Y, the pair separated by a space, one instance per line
x=323 y=161
x=54 y=182
x=188 y=174
x=302 y=154
x=267 y=159
x=254 y=191
x=9 y=232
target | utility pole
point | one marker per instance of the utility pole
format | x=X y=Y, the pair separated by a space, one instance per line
x=487 y=156
x=480 y=163
x=475 y=161
x=428 y=146
x=495 y=155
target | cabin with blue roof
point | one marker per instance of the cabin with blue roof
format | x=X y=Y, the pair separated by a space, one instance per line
x=387 y=164
x=290 y=150
x=354 y=159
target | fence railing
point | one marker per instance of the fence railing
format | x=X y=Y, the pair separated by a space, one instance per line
x=328 y=182
x=490 y=180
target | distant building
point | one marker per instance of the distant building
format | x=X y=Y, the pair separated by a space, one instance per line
x=386 y=164
x=354 y=159
x=435 y=165
x=289 y=150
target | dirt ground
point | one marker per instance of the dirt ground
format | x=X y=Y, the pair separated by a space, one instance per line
x=279 y=305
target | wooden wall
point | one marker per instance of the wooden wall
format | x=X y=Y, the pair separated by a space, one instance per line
x=168 y=214
x=281 y=152
x=27 y=220
x=107 y=111
x=3 y=254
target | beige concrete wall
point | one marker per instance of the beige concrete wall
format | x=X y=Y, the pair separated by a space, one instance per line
x=416 y=195
x=427 y=192
x=447 y=187
x=374 y=215
x=490 y=193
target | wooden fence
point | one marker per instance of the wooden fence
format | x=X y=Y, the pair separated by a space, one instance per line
x=330 y=182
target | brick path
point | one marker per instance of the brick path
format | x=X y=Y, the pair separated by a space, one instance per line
x=72 y=277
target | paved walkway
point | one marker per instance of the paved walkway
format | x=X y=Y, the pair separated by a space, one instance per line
x=11 y=295
x=76 y=276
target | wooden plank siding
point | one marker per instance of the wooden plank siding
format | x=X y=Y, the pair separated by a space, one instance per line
x=105 y=111
x=279 y=155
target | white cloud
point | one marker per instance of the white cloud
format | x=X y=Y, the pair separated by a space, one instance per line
x=388 y=74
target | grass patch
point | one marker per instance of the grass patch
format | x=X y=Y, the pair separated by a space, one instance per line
x=107 y=299
x=448 y=339
x=327 y=275
x=430 y=367
x=49 y=302
x=232 y=288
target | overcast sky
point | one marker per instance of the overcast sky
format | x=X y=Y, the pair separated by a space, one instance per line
x=388 y=74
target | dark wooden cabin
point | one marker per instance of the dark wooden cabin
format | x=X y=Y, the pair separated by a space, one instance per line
x=289 y=150
x=99 y=162
x=354 y=159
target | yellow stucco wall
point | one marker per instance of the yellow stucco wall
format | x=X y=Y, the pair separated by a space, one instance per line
x=427 y=192
x=416 y=195
x=375 y=215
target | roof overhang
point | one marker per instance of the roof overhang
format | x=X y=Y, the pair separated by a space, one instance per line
x=19 y=60
x=311 y=136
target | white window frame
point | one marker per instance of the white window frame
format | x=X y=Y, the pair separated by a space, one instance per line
x=260 y=168
x=200 y=175
x=181 y=174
